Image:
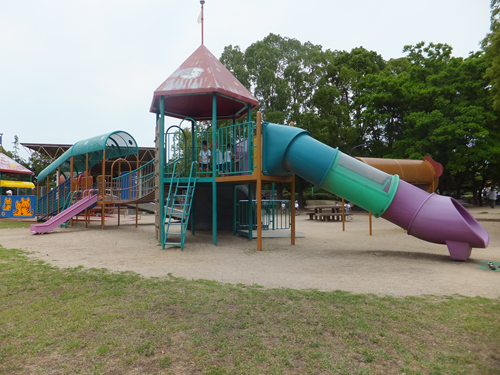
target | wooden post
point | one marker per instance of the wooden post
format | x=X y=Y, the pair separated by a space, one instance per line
x=259 y=181
x=370 y=219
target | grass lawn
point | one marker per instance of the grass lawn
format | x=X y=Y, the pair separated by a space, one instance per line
x=58 y=321
x=5 y=224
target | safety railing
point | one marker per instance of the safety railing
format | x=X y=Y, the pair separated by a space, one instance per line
x=236 y=143
x=234 y=150
x=51 y=204
x=133 y=185
x=129 y=186
x=275 y=214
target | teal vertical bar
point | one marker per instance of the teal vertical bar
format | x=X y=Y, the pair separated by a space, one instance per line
x=233 y=145
x=193 y=158
x=162 y=170
x=214 y=184
x=235 y=202
x=250 y=212
x=274 y=204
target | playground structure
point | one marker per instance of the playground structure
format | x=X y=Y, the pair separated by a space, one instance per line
x=113 y=187
x=16 y=206
x=202 y=92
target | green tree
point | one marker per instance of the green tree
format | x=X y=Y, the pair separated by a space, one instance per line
x=450 y=115
x=384 y=99
x=491 y=45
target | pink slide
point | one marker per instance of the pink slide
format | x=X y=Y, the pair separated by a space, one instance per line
x=65 y=215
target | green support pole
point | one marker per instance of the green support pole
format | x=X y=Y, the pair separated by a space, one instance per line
x=274 y=205
x=193 y=158
x=162 y=169
x=214 y=185
x=235 y=202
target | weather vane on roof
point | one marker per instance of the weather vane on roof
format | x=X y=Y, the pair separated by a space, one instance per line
x=200 y=19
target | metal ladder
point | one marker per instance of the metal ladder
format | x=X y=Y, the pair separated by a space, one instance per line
x=180 y=198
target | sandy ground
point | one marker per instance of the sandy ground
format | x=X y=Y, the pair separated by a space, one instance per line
x=387 y=263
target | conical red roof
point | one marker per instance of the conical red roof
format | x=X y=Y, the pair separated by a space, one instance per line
x=188 y=91
x=7 y=165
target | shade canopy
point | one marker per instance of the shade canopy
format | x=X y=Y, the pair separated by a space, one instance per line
x=8 y=165
x=116 y=144
x=189 y=90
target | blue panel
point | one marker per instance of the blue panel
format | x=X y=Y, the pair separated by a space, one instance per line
x=18 y=206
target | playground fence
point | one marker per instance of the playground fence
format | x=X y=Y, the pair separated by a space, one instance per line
x=275 y=214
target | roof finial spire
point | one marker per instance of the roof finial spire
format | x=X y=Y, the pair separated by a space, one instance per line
x=202 y=2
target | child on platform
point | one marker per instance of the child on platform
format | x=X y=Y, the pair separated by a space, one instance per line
x=228 y=155
x=204 y=158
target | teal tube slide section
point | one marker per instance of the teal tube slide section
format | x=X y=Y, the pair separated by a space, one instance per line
x=430 y=217
x=289 y=149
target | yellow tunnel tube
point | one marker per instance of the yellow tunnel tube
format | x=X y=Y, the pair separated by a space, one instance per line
x=17 y=184
x=423 y=174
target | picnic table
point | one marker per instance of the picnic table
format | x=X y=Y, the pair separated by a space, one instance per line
x=326 y=213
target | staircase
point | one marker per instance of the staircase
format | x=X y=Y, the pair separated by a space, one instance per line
x=178 y=207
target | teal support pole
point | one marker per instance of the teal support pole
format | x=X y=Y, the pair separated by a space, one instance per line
x=274 y=205
x=214 y=184
x=235 y=202
x=193 y=158
x=162 y=170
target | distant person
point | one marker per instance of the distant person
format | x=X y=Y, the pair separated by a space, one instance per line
x=493 y=195
x=228 y=157
x=297 y=208
x=204 y=158
x=9 y=192
x=347 y=209
x=283 y=207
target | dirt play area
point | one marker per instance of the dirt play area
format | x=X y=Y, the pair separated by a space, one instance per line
x=387 y=263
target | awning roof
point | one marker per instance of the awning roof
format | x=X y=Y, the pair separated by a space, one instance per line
x=7 y=165
x=188 y=91
x=117 y=144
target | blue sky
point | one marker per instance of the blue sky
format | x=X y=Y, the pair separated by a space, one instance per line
x=70 y=70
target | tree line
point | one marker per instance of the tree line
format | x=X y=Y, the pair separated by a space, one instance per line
x=426 y=103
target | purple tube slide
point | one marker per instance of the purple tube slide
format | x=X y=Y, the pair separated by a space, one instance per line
x=436 y=218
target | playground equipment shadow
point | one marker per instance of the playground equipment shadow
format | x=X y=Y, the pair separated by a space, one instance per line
x=387 y=263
